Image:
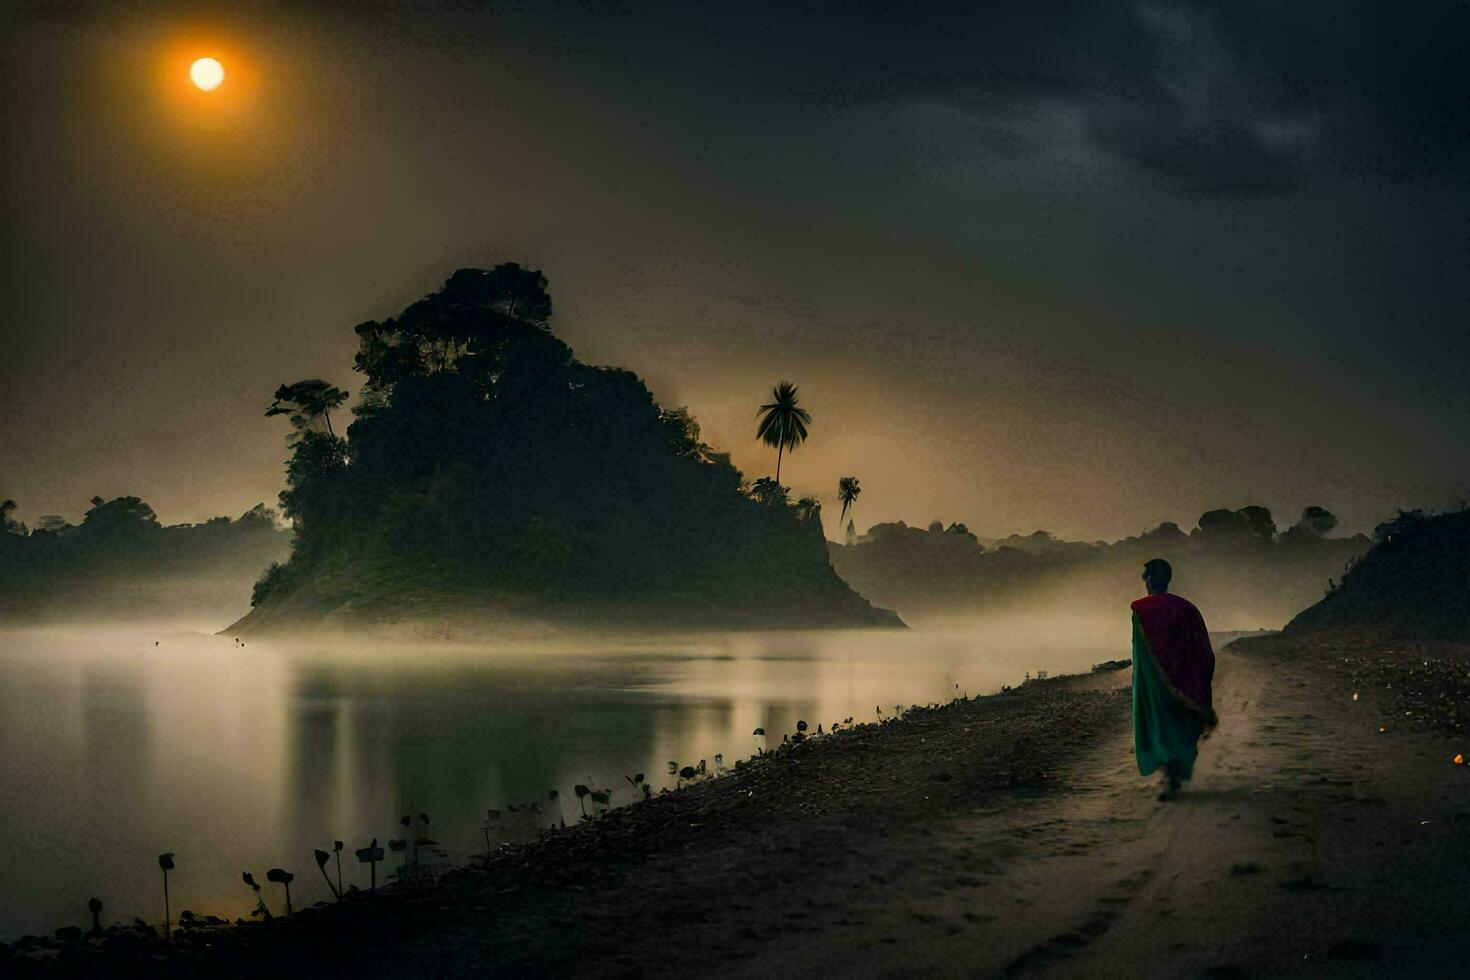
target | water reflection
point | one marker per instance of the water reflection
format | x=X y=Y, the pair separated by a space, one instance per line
x=113 y=766
x=115 y=750
x=317 y=758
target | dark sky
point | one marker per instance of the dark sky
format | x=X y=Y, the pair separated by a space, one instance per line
x=1081 y=267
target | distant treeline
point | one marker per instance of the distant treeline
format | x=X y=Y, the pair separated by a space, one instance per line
x=489 y=469
x=120 y=562
x=1235 y=564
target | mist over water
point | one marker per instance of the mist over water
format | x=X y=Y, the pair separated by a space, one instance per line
x=248 y=758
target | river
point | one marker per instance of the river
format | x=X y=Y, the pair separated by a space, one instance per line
x=118 y=744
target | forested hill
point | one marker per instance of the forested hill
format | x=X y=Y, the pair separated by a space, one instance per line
x=1414 y=583
x=490 y=474
x=121 y=564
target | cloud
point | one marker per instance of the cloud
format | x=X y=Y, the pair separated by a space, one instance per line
x=1242 y=99
x=1203 y=118
x=1201 y=157
x=987 y=93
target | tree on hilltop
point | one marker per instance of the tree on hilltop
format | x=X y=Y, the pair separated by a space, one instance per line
x=847 y=492
x=305 y=402
x=783 y=422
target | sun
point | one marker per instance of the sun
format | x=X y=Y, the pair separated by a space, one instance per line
x=207 y=74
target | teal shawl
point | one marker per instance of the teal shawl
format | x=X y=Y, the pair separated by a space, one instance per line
x=1166 y=730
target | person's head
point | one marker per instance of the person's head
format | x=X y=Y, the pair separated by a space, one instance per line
x=1156 y=575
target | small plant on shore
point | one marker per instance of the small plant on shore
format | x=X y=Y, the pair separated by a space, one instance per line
x=322 y=857
x=261 y=909
x=582 y=792
x=760 y=741
x=166 y=862
x=94 y=905
x=337 y=852
x=370 y=856
x=284 y=879
x=640 y=785
x=601 y=799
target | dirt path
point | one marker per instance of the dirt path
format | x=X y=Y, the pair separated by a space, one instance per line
x=1309 y=843
x=1312 y=842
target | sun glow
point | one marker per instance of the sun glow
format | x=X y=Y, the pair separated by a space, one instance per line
x=207 y=74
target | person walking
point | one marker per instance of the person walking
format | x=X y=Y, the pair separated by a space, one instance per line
x=1173 y=671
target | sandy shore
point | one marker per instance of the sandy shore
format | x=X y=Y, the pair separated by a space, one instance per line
x=997 y=835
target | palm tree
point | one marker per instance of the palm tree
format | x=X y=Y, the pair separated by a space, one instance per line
x=782 y=423
x=847 y=492
x=166 y=862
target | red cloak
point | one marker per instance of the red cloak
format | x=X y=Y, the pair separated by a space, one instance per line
x=1180 y=645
